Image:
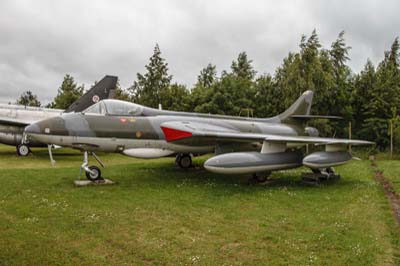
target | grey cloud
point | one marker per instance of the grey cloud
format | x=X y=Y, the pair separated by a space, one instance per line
x=43 y=40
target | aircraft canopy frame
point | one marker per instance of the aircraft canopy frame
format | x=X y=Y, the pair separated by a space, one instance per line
x=114 y=108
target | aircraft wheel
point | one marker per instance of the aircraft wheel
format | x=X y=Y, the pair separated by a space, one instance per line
x=177 y=158
x=261 y=178
x=95 y=175
x=185 y=161
x=23 y=150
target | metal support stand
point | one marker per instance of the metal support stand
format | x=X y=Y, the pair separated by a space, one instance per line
x=319 y=175
x=53 y=162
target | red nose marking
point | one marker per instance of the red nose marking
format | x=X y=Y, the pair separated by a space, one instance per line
x=123 y=120
x=175 y=134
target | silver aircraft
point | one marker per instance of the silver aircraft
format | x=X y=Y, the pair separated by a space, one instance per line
x=241 y=145
x=14 y=118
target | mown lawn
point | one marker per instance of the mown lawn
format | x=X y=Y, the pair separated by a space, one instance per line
x=157 y=214
x=391 y=170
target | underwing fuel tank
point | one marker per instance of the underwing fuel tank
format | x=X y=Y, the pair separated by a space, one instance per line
x=325 y=159
x=253 y=162
x=147 y=153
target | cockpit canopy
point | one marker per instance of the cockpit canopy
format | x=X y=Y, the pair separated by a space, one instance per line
x=114 y=107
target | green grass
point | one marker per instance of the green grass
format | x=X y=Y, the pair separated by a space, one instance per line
x=157 y=214
x=391 y=170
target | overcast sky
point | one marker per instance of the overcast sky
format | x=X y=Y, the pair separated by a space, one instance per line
x=42 y=40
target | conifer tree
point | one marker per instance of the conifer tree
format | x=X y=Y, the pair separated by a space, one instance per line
x=385 y=96
x=68 y=92
x=233 y=92
x=203 y=87
x=121 y=94
x=242 y=67
x=207 y=76
x=338 y=98
x=176 y=98
x=268 y=98
x=27 y=98
x=149 y=87
x=364 y=86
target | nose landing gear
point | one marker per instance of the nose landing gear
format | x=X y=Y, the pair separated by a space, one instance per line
x=93 y=173
x=23 y=150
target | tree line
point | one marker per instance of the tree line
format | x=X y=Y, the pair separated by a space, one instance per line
x=370 y=98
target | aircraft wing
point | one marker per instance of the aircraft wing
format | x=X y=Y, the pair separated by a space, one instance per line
x=177 y=131
x=13 y=122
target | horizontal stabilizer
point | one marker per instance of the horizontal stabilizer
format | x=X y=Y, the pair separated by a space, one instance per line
x=308 y=117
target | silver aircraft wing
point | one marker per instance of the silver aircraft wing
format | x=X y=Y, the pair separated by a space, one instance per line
x=13 y=122
x=184 y=130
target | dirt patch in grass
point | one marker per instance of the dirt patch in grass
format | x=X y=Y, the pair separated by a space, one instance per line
x=391 y=194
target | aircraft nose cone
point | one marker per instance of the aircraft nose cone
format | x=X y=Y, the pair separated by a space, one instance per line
x=33 y=129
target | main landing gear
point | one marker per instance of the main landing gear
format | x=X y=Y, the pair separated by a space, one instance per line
x=261 y=178
x=184 y=160
x=23 y=150
x=93 y=173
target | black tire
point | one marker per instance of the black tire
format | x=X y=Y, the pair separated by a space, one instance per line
x=97 y=173
x=177 y=158
x=185 y=161
x=262 y=177
x=23 y=150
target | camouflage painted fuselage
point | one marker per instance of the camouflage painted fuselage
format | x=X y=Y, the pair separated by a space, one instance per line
x=118 y=133
x=14 y=118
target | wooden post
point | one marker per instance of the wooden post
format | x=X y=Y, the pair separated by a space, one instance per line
x=391 y=138
x=349 y=135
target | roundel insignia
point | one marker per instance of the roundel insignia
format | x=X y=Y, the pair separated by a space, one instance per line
x=123 y=120
x=138 y=134
x=95 y=98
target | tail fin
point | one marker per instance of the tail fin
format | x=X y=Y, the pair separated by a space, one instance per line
x=301 y=107
x=104 y=89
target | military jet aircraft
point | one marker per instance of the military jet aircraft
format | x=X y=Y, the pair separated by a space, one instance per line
x=241 y=145
x=14 y=118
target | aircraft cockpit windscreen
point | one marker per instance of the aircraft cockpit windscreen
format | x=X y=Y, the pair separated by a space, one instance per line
x=116 y=107
x=97 y=108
